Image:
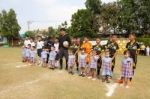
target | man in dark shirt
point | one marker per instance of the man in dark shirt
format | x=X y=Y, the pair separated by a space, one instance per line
x=98 y=47
x=133 y=46
x=112 y=46
x=63 y=50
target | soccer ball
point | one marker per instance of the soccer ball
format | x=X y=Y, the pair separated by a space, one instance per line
x=66 y=43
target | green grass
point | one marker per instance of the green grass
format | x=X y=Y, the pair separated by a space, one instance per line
x=33 y=82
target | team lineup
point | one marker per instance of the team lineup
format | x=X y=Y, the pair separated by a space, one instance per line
x=92 y=61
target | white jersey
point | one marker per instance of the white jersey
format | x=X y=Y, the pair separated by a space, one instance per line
x=32 y=44
x=147 y=51
x=56 y=45
x=27 y=42
x=40 y=44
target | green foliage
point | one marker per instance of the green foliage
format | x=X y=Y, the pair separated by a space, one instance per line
x=146 y=41
x=30 y=34
x=81 y=24
x=94 y=6
x=9 y=26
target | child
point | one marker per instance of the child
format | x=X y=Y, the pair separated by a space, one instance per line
x=71 y=61
x=147 y=51
x=44 y=56
x=106 y=67
x=56 y=45
x=24 y=54
x=93 y=64
x=82 y=63
x=127 y=68
x=27 y=53
x=32 y=55
x=52 y=56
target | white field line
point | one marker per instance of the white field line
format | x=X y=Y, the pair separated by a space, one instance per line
x=110 y=89
x=21 y=66
x=11 y=89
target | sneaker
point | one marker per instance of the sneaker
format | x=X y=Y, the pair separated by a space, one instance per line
x=127 y=86
x=119 y=81
x=89 y=77
x=80 y=74
x=83 y=75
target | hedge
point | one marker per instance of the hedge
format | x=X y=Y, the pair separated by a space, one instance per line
x=146 y=41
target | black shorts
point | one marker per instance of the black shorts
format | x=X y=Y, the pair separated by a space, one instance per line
x=39 y=51
x=63 y=53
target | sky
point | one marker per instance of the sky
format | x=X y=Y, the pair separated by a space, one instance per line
x=43 y=13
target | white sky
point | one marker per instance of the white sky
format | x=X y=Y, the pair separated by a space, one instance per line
x=53 y=11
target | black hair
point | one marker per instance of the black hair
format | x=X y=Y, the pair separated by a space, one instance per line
x=126 y=51
x=63 y=29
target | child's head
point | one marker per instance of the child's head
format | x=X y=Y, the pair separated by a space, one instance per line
x=44 y=48
x=82 y=51
x=126 y=54
x=33 y=48
x=52 y=48
x=107 y=53
x=70 y=52
x=94 y=52
x=29 y=45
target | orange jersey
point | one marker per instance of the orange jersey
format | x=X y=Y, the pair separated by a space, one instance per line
x=87 y=46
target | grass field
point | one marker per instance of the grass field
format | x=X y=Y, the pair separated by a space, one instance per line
x=20 y=81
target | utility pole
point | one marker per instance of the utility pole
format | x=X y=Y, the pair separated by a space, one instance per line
x=28 y=24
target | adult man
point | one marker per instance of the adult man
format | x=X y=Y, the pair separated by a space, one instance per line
x=112 y=46
x=98 y=47
x=63 y=49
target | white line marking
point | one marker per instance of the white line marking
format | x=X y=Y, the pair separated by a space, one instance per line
x=111 y=88
x=21 y=66
x=11 y=89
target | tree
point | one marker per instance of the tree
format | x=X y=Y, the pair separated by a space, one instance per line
x=30 y=34
x=81 y=24
x=9 y=25
x=128 y=15
x=94 y=6
x=109 y=16
x=143 y=13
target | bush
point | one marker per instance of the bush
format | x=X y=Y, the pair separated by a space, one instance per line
x=146 y=41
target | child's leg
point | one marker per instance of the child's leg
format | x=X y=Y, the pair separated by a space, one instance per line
x=94 y=73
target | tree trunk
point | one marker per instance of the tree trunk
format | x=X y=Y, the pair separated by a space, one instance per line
x=12 y=42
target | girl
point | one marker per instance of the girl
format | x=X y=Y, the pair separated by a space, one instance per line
x=71 y=62
x=56 y=45
x=27 y=53
x=52 y=56
x=106 y=67
x=127 y=68
x=24 y=54
x=93 y=65
x=82 y=62
x=32 y=55
x=44 y=56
